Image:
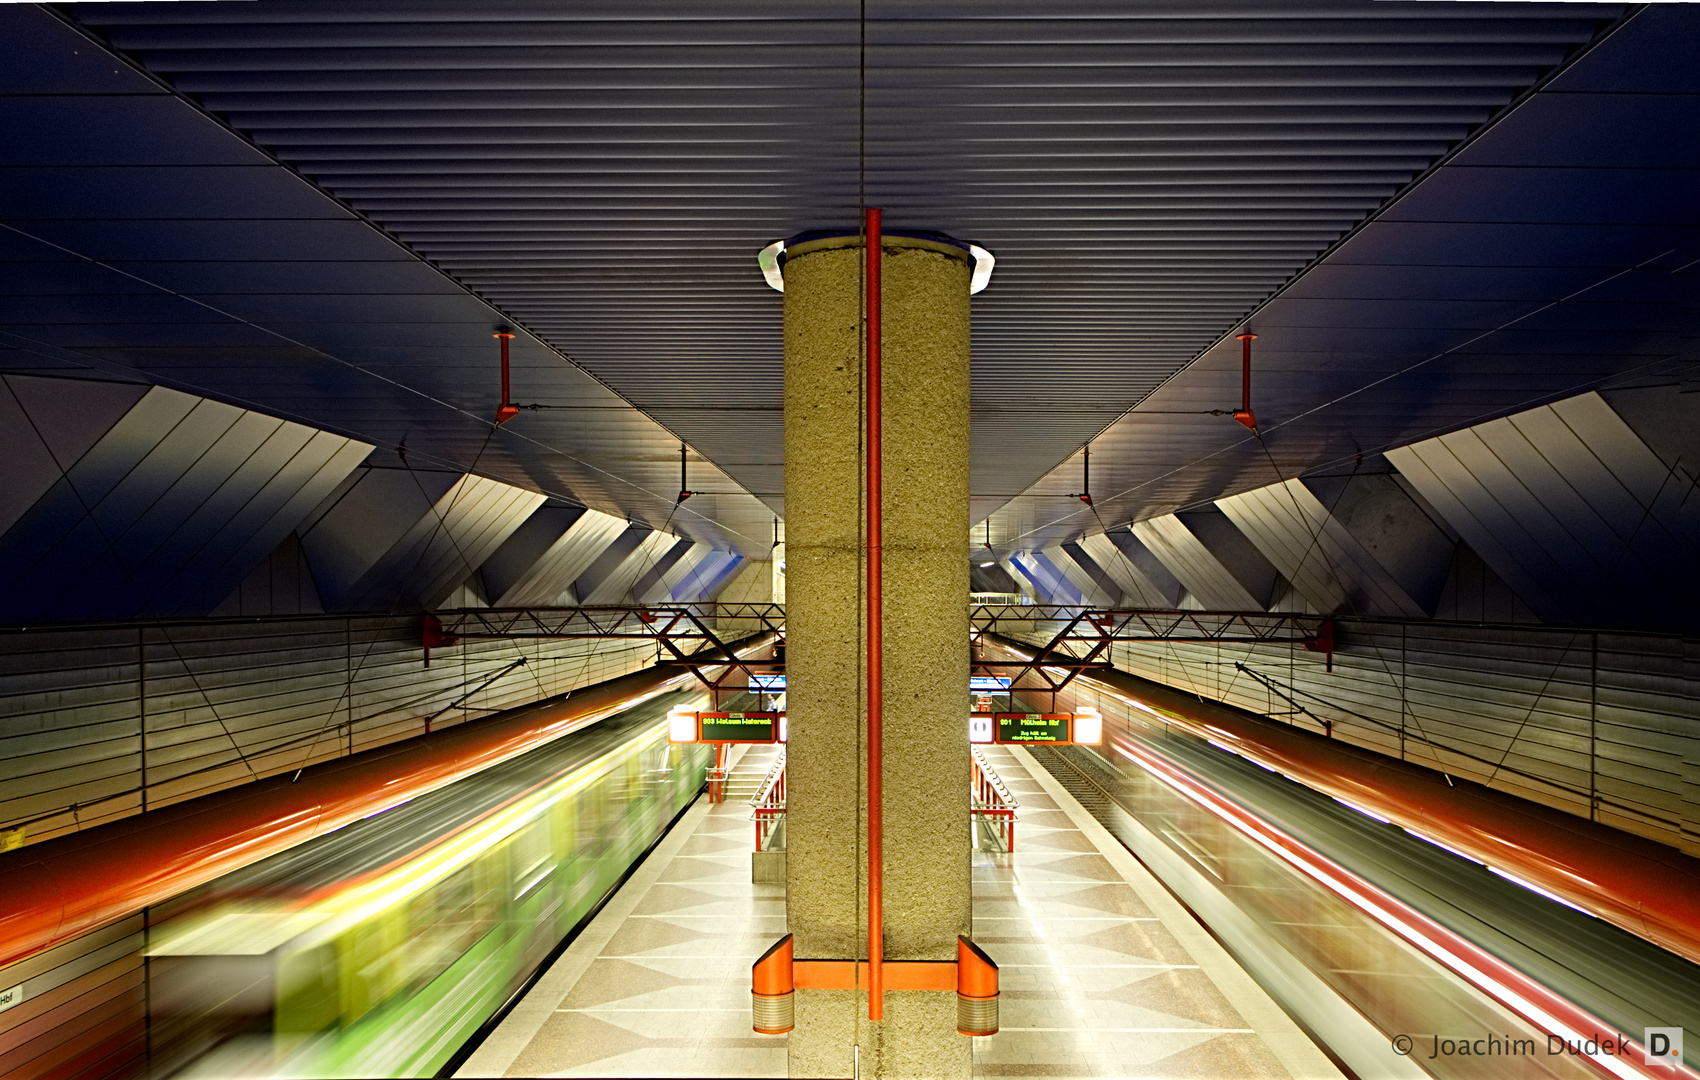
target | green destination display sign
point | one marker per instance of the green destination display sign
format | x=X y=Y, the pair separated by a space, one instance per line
x=1033 y=727
x=750 y=727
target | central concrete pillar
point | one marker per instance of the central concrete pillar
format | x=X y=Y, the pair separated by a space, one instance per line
x=926 y=765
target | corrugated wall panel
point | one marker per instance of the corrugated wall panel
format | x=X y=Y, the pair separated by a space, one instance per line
x=616 y=588
x=546 y=581
x=221 y=702
x=1592 y=723
x=82 y=1010
x=1185 y=555
x=1315 y=552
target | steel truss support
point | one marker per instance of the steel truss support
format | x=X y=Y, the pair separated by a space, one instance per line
x=1086 y=635
x=682 y=635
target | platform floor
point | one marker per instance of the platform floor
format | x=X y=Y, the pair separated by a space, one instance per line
x=1103 y=973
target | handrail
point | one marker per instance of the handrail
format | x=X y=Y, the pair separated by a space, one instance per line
x=769 y=803
x=988 y=798
x=775 y=775
x=719 y=772
x=991 y=775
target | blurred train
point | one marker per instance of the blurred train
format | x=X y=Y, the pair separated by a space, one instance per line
x=1367 y=929
x=382 y=948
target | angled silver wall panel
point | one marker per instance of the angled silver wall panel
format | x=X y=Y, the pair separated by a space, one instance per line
x=709 y=579
x=1110 y=552
x=991 y=580
x=1050 y=584
x=524 y=549
x=651 y=586
x=407 y=538
x=1315 y=551
x=538 y=564
x=1096 y=587
x=612 y=556
x=572 y=540
x=1219 y=567
x=692 y=577
x=1397 y=527
x=447 y=545
x=615 y=586
x=1571 y=508
x=751 y=582
x=364 y=520
x=1472 y=592
x=281 y=585
x=167 y=511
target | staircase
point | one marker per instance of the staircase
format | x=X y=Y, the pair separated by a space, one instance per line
x=746 y=776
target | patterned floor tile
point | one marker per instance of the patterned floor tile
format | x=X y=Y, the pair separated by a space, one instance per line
x=1094 y=985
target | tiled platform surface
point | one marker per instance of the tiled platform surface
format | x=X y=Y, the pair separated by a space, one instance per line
x=1103 y=973
x=659 y=983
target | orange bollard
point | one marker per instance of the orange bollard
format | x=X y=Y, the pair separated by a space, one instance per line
x=773 y=993
x=976 y=990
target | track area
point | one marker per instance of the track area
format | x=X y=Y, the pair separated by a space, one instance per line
x=381 y=948
x=1389 y=924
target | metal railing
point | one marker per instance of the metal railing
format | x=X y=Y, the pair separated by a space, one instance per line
x=990 y=803
x=719 y=773
x=769 y=803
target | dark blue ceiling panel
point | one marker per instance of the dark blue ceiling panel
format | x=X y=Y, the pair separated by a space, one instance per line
x=169 y=191
x=144 y=239
x=1550 y=256
x=604 y=174
x=141 y=129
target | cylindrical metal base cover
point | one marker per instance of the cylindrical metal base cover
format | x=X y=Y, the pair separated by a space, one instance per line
x=777 y=1013
x=976 y=1016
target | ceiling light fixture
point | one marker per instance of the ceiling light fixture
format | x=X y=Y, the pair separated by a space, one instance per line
x=771 y=259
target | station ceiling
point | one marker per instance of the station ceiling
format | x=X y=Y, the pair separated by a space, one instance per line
x=1431 y=214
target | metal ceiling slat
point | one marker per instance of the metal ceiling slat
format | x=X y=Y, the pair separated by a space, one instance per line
x=604 y=174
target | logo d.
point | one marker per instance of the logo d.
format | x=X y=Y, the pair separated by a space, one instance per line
x=1662 y=1045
